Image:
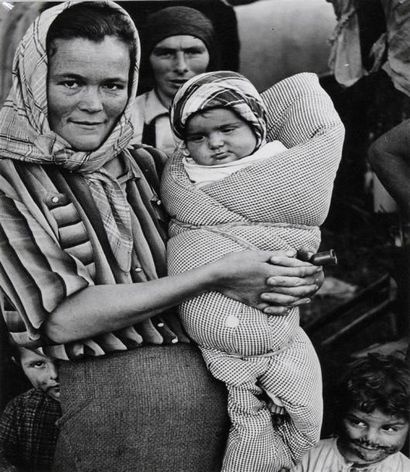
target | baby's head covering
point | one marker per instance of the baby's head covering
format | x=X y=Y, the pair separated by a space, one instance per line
x=222 y=89
x=176 y=21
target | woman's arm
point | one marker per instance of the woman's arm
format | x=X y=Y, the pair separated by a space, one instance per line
x=261 y=279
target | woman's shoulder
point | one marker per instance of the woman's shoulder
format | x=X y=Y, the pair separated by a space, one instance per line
x=150 y=160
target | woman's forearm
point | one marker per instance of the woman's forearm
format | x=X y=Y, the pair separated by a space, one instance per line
x=105 y=308
x=252 y=277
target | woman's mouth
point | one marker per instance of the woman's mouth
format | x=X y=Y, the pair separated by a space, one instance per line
x=88 y=124
x=177 y=82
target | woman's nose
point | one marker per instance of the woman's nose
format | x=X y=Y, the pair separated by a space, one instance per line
x=91 y=100
x=181 y=65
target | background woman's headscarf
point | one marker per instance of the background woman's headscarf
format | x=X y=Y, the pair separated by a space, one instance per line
x=177 y=21
x=25 y=133
x=219 y=90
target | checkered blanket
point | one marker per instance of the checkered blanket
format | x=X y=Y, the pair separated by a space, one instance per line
x=275 y=204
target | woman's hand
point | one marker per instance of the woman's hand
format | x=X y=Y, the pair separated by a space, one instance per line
x=269 y=281
x=298 y=282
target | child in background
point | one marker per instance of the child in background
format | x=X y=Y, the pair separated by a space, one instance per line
x=373 y=408
x=230 y=191
x=28 y=432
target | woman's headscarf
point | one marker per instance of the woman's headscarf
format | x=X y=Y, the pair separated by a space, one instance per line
x=221 y=89
x=25 y=134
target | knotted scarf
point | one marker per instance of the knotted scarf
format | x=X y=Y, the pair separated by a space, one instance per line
x=222 y=89
x=25 y=133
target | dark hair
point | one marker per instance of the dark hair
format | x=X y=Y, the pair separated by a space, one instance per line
x=376 y=381
x=93 y=21
x=15 y=353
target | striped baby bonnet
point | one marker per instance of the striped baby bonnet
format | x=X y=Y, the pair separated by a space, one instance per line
x=221 y=89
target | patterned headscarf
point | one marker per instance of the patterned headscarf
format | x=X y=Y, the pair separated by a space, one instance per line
x=25 y=134
x=222 y=89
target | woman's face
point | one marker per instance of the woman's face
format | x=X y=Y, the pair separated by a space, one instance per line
x=87 y=89
x=175 y=60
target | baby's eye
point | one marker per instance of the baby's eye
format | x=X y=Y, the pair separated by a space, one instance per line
x=195 y=138
x=228 y=129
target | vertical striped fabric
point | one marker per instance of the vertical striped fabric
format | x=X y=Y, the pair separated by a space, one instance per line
x=25 y=134
x=52 y=245
x=70 y=219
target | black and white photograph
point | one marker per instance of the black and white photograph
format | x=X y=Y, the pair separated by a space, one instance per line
x=205 y=236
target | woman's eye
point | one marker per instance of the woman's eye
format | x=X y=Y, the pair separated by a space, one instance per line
x=113 y=87
x=192 y=52
x=163 y=54
x=71 y=84
x=38 y=364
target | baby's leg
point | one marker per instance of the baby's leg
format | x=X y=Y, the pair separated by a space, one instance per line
x=294 y=377
x=254 y=445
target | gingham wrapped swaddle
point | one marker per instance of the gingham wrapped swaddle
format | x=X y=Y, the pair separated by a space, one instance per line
x=275 y=204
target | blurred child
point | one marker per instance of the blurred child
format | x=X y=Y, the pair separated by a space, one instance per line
x=232 y=190
x=373 y=409
x=28 y=432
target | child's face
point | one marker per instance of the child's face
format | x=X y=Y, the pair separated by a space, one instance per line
x=370 y=437
x=218 y=136
x=41 y=371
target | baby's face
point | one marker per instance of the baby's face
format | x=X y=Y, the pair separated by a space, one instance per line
x=367 y=438
x=218 y=136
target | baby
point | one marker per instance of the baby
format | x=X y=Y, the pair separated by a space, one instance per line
x=230 y=191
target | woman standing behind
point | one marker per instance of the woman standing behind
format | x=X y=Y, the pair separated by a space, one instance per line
x=178 y=44
x=82 y=255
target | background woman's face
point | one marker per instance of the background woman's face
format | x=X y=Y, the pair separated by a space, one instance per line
x=87 y=89
x=175 y=60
